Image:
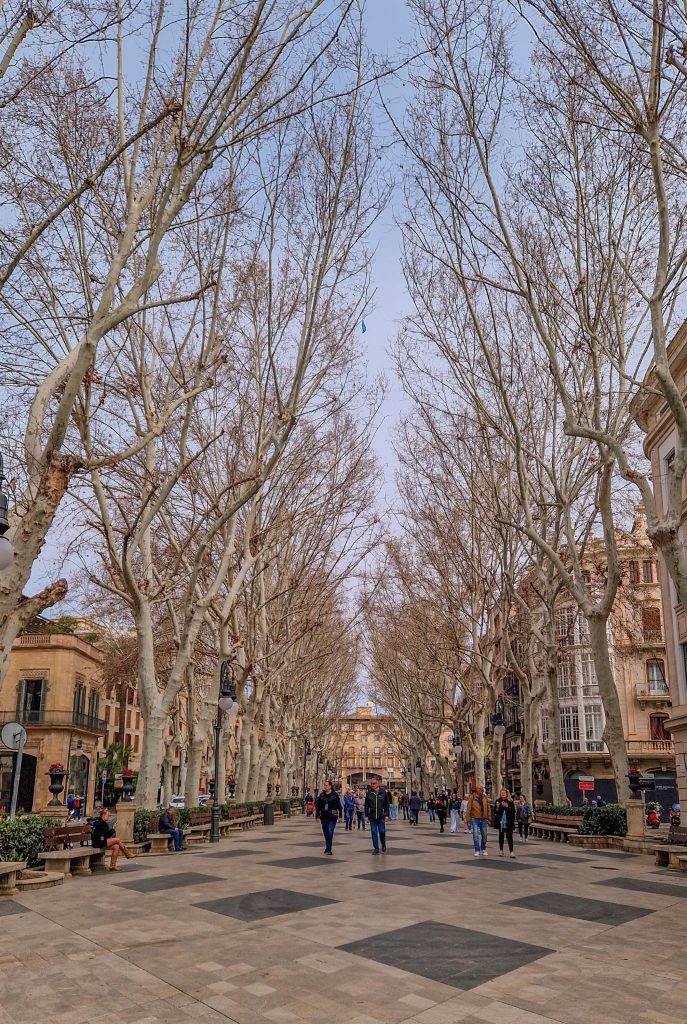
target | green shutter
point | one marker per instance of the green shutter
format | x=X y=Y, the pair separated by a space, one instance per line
x=44 y=693
x=21 y=690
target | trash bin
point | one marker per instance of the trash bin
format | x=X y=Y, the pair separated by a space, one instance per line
x=286 y=808
x=268 y=812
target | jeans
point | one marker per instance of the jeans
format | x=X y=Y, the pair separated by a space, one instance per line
x=348 y=818
x=328 y=826
x=432 y=813
x=441 y=815
x=178 y=836
x=378 y=830
x=454 y=821
x=360 y=815
x=393 y=812
x=524 y=829
x=479 y=834
x=405 y=813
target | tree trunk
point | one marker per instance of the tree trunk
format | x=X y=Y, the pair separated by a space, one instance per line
x=526 y=754
x=193 y=765
x=614 y=735
x=151 y=759
x=553 y=746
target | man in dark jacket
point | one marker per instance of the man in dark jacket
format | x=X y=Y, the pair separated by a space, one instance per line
x=377 y=812
x=169 y=826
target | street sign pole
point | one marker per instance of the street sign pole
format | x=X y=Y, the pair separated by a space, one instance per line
x=103 y=780
x=21 y=740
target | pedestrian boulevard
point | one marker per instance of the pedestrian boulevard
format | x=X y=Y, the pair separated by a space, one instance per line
x=265 y=928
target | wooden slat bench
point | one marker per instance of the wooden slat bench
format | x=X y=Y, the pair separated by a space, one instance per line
x=555 y=833
x=199 y=827
x=669 y=853
x=67 y=855
x=239 y=823
x=9 y=869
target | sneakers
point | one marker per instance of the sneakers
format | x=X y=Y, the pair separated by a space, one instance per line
x=383 y=847
x=477 y=853
x=501 y=853
x=484 y=853
x=375 y=853
x=512 y=856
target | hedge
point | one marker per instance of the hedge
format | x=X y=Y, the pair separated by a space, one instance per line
x=182 y=816
x=610 y=820
x=555 y=809
x=22 y=839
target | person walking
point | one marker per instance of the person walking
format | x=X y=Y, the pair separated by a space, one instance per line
x=403 y=803
x=349 y=809
x=103 y=838
x=463 y=809
x=393 y=805
x=476 y=818
x=431 y=809
x=523 y=813
x=328 y=811
x=377 y=812
x=168 y=826
x=414 y=807
x=309 y=804
x=441 y=809
x=360 y=811
x=504 y=820
x=454 y=810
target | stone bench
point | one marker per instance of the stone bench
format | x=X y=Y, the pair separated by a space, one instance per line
x=241 y=822
x=667 y=856
x=199 y=827
x=554 y=833
x=9 y=869
x=78 y=861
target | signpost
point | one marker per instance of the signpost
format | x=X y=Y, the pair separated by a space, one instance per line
x=103 y=780
x=14 y=736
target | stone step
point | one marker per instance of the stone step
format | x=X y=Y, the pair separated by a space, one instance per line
x=31 y=880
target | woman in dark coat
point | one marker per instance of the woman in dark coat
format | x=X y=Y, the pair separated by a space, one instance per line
x=103 y=838
x=504 y=820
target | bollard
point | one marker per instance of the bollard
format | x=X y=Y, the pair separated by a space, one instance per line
x=268 y=813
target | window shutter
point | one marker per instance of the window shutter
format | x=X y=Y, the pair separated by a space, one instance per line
x=44 y=693
x=21 y=690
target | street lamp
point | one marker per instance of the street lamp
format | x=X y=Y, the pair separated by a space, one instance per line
x=6 y=549
x=497 y=724
x=307 y=753
x=225 y=702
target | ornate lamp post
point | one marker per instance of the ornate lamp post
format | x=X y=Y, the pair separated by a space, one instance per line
x=226 y=702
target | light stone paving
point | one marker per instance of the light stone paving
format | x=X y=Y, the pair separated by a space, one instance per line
x=98 y=950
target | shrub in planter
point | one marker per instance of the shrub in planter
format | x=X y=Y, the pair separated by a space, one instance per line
x=142 y=819
x=22 y=839
x=604 y=821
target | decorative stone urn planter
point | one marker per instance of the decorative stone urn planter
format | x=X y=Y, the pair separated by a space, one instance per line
x=57 y=777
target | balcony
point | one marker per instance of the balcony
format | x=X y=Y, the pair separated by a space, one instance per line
x=56 y=720
x=652 y=693
x=635 y=747
x=652 y=637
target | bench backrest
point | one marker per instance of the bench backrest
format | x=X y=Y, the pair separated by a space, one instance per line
x=677 y=834
x=200 y=817
x=58 y=838
x=155 y=824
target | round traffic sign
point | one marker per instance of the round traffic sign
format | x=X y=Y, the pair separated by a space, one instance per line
x=13 y=735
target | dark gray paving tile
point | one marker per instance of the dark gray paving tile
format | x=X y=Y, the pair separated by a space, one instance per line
x=639 y=885
x=407 y=876
x=254 y=906
x=162 y=882
x=617 y=854
x=454 y=956
x=245 y=851
x=496 y=863
x=603 y=867
x=394 y=851
x=579 y=907
x=303 y=862
x=564 y=858
x=8 y=907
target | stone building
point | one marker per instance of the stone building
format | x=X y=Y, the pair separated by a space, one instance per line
x=364 y=746
x=53 y=689
x=654 y=417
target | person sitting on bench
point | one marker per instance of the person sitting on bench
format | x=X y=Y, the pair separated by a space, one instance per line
x=168 y=825
x=103 y=838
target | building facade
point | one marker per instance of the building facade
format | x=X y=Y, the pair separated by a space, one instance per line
x=654 y=417
x=53 y=689
x=364 y=747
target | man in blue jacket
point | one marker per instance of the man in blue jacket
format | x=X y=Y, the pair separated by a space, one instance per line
x=349 y=809
x=377 y=813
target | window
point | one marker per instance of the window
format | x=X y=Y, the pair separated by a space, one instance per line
x=564 y=623
x=590 y=684
x=583 y=628
x=565 y=678
x=128 y=719
x=544 y=725
x=389 y=762
x=363 y=751
x=358 y=726
x=655 y=677
x=378 y=762
x=136 y=739
x=593 y=726
x=634 y=571
x=389 y=750
x=647 y=571
x=378 y=739
x=570 y=729
x=31 y=700
x=378 y=750
x=79 y=706
x=651 y=625
x=93 y=704
x=657 y=728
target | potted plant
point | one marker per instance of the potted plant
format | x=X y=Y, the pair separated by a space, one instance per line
x=129 y=784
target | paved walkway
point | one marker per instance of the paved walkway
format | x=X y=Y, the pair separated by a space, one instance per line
x=264 y=928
